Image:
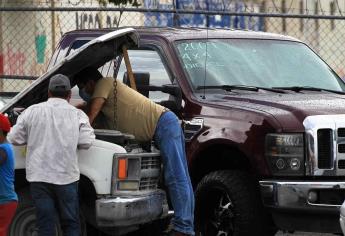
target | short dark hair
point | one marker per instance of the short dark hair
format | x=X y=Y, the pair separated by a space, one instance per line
x=87 y=74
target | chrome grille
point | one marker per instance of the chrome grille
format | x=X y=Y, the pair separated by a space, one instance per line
x=150 y=172
x=325 y=145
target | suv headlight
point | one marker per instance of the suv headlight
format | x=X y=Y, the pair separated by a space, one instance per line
x=285 y=154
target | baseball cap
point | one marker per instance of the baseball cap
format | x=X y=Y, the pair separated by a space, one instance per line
x=59 y=83
x=5 y=124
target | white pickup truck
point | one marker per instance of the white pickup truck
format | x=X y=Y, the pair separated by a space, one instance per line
x=112 y=203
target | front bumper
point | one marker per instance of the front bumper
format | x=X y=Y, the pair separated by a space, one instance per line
x=307 y=206
x=128 y=211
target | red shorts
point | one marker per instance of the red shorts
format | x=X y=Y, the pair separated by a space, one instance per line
x=7 y=212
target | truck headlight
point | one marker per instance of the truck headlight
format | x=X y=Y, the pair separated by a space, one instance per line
x=285 y=154
x=126 y=173
x=135 y=172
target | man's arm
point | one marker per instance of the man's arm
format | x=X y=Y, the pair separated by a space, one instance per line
x=86 y=132
x=3 y=156
x=18 y=133
x=95 y=107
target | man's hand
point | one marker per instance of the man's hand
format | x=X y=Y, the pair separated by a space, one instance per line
x=81 y=105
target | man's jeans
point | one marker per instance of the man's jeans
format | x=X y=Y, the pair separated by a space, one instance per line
x=170 y=140
x=53 y=200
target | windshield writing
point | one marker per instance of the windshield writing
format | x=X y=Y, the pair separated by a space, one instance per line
x=250 y=62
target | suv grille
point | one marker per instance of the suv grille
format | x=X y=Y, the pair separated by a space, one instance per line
x=150 y=167
x=341 y=132
x=341 y=148
x=324 y=144
x=341 y=164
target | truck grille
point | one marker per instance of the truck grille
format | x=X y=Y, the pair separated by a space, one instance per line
x=341 y=164
x=341 y=132
x=150 y=172
x=341 y=148
x=325 y=145
x=148 y=183
x=150 y=163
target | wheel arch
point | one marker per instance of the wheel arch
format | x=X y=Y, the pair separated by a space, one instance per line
x=87 y=191
x=217 y=157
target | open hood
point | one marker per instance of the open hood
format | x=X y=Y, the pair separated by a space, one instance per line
x=94 y=53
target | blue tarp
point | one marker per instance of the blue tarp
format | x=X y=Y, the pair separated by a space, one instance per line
x=202 y=20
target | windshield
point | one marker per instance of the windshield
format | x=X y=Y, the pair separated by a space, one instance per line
x=255 y=62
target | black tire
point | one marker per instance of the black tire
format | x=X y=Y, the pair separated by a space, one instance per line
x=228 y=203
x=24 y=221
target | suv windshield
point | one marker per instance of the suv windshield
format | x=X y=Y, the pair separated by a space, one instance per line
x=255 y=62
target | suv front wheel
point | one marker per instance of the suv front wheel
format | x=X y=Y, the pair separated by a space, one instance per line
x=229 y=203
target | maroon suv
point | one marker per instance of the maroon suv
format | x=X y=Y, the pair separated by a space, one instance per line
x=264 y=122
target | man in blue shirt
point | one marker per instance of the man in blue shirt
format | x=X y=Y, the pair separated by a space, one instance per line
x=8 y=197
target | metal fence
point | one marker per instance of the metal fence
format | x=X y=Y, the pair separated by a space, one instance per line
x=28 y=35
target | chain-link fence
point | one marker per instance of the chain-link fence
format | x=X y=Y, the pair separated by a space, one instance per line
x=29 y=31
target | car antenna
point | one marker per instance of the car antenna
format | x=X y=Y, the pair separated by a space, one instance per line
x=203 y=96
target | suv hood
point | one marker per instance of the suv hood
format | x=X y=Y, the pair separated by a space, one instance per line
x=94 y=53
x=288 y=109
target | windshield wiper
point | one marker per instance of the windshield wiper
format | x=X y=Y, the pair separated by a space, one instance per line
x=239 y=87
x=229 y=87
x=308 y=88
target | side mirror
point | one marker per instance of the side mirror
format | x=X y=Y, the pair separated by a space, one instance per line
x=142 y=80
x=176 y=102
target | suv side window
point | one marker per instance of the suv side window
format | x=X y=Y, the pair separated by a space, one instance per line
x=148 y=61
